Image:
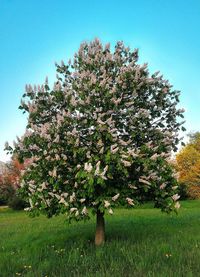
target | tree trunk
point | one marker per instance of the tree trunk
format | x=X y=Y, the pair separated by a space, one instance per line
x=100 y=229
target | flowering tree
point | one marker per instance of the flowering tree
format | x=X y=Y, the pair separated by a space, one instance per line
x=100 y=138
x=9 y=181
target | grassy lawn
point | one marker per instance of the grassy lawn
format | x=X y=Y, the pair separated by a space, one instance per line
x=140 y=242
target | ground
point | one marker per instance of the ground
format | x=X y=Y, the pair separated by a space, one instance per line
x=140 y=242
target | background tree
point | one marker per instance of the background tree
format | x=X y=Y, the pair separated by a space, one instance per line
x=13 y=173
x=188 y=165
x=9 y=183
x=6 y=191
x=100 y=138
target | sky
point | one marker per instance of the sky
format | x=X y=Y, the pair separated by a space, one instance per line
x=35 y=34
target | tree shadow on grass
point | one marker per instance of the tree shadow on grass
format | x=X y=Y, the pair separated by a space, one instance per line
x=118 y=230
x=134 y=229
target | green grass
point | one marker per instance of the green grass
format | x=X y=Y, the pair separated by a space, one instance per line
x=140 y=242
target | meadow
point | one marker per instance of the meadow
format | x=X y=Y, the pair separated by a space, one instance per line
x=140 y=242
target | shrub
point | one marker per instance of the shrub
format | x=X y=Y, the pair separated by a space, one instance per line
x=16 y=202
x=6 y=192
x=183 y=191
x=193 y=191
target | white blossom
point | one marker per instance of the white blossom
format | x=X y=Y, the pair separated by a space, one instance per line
x=110 y=211
x=97 y=170
x=174 y=187
x=101 y=150
x=82 y=200
x=77 y=213
x=88 y=167
x=126 y=163
x=27 y=209
x=177 y=205
x=114 y=198
x=72 y=197
x=62 y=200
x=84 y=211
x=65 y=194
x=73 y=210
x=54 y=172
x=43 y=185
x=106 y=203
x=154 y=157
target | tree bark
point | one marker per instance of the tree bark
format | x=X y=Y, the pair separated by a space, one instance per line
x=100 y=229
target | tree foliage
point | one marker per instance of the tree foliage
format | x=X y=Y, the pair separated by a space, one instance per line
x=188 y=161
x=9 y=181
x=101 y=137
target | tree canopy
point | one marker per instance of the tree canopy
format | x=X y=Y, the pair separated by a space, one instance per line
x=188 y=161
x=100 y=137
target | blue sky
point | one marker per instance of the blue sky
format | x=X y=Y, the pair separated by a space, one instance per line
x=34 y=34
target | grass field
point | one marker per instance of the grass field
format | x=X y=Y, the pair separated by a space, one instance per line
x=140 y=242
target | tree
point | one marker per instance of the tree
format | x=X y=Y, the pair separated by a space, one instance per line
x=12 y=175
x=100 y=138
x=188 y=161
x=6 y=191
x=9 y=183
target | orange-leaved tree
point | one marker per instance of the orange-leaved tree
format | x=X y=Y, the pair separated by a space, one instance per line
x=188 y=164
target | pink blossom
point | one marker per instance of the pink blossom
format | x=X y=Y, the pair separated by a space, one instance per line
x=175 y=197
x=130 y=201
x=114 y=149
x=162 y=186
